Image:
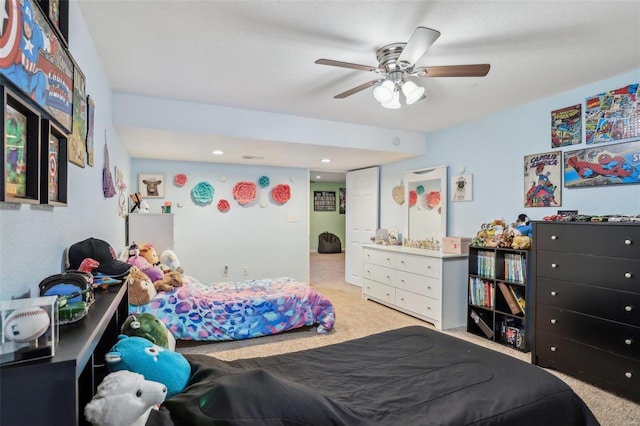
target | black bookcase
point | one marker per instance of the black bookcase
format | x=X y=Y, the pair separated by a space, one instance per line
x=498 y=277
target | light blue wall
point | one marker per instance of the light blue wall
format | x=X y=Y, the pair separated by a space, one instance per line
x=33 y=237
x=492 y=150
x=259 y=238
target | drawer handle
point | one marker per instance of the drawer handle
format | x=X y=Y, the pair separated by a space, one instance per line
x=554 y=265
x=553 y=321
x=387 y=294
x=402 y=299
x=627 y=275
x=628 y=308
x=428 y=287
x=628 y=374
x=628 y=341
x=553 y=237
x=428 y=308
x=388 y=260
x=553 y=349
x=554 y=293
x=402 y=261
x=627 y=242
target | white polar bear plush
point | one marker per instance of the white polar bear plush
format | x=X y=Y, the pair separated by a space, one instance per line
x=124 y=398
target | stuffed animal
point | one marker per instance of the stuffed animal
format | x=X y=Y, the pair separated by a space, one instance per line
x=149 y=252
x=480 y=239
x=154 y=362
x=523 y=226
x=143 y=264
x=124 y=398
x=140 y=288
x=169 y=281
x=521 y=242
x=171 y=261
x=151 y=328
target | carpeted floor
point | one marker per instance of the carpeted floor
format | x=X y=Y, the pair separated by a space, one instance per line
x=356 y=317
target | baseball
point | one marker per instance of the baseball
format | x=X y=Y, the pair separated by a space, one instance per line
x=26 y=324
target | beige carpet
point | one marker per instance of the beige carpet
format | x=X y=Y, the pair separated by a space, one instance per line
x=356 y=317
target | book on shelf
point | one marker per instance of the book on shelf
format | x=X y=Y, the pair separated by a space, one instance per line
x=510 y=299
x=483 y=325
x=481 y=293
x=519 y=298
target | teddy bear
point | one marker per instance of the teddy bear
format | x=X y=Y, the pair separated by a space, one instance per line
x=169 y=281
x=140 y=287
x=151 y=328
x=154 y=362
x=124 y=398
x=521 y=242
x=149 y=252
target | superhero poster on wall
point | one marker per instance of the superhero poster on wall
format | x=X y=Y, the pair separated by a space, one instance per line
x=566 y=126
x=613 y=115
x=32 y=58
x=542 y=179
x=603 y=165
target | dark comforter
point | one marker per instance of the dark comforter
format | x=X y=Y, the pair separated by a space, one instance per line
x=406 y=377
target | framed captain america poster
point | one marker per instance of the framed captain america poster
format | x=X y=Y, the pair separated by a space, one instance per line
x=33 y=60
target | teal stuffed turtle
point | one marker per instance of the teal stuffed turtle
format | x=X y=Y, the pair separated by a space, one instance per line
x=149 y=327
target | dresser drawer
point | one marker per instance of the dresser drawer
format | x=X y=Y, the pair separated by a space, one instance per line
x=606 y=335
x=379 y=291
x=611 y=240
x=621 y=274
x=421 y=305
x=419 y=284
x=422 y=265
x=378 y=257
x=379 y=273
x=612 y=372
x=615 y=305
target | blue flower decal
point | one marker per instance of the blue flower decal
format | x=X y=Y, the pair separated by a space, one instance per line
x=203 y=192
x=263 y=181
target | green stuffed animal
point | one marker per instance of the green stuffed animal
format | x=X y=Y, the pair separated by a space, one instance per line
x=149 y=327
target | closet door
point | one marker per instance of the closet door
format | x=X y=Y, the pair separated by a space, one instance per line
x=362 y=218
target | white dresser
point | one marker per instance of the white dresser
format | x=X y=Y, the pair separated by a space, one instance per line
x=426 y=284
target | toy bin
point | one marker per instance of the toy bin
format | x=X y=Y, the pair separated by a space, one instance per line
x=29 y=329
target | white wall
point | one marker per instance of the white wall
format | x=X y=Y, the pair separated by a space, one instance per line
x=492 y=150
x=33 y=237
x=260 y=238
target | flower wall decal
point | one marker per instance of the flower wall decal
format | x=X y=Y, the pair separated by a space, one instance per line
x=413 y=198
x=281 y=193
x=203 y=192
x=244 y=192
x=180 y=179
x=433 y=199
x=263 y=181
x=223 y=206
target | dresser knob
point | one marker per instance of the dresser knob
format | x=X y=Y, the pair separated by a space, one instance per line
x=553 y=321
x=553 y=237
x=554 y=293
x=627 y=242
x=628 y=341
x=628 y=374
x=553 y=348
x=627 y=275
x=628 y=308
x=554 y=265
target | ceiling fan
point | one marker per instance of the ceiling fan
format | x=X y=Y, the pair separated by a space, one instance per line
x=396 y=63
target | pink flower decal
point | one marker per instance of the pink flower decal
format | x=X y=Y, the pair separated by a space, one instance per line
x=223 y=206
x=413 y=198
x=281 y=193
x=180 y=179
x=433 y=199
x=244 y=192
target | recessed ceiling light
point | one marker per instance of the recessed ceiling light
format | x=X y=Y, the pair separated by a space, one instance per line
x=326 y=160
x=318 y=177
x=217 y=152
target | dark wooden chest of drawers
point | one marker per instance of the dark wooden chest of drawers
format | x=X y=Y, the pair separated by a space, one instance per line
x=587 y=302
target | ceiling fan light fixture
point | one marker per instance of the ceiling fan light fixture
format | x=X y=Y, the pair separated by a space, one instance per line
x=412 y=92
x=394 y=103
x=384 y=92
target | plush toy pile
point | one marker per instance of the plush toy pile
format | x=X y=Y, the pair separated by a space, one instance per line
x=146 y=259
x=499 y=234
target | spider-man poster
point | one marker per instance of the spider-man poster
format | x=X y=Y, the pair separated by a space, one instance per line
x=603 y=165
x=542 y=174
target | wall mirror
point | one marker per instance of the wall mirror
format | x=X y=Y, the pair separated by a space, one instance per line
x=426 y=207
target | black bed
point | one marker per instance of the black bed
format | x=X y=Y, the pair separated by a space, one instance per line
x=406 y=377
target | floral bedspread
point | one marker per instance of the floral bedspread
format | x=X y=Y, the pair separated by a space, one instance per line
x=239 y=309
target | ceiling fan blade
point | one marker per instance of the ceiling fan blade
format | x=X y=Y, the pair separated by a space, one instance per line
x=475 y=70
x=345 y=65
x=420 y=41
x=357 y=89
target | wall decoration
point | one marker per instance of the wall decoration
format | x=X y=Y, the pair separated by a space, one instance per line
x=91 y=110
x=542 y=179
x=21 y=151
x=324 y=201
x=180 y=180
x=342 y=199
x=462 y=188
x=53 y=160
x=613 y=115
x=77 y=147
x=263 y=181
x=244 y=192
x=151 y=185
x=108 y=188
x=202 y=193
x=566 y=126
x=223 y=206
x=413 y=197
x=281 y=193
x=122 y=188
x=36 y=63
x=397 y=193
x=603 y=165
x=433 y=199
x=58 y=13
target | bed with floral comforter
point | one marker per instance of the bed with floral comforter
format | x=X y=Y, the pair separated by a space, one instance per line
x=239 y=309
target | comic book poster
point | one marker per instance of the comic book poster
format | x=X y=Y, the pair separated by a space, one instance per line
x=566 y=126
x=542 y=179
x=35 y=61
x=613 y=116
x=15 y=167
x=603 y=165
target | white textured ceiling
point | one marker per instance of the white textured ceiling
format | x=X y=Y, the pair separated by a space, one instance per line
x=260 y=55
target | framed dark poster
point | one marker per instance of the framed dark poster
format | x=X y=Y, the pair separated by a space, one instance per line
x=324 y=201
x=53 y=159
x=57 y=11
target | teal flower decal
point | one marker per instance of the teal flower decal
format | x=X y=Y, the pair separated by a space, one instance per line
x=203 y=192
x=263 y=182
x=420 y=189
